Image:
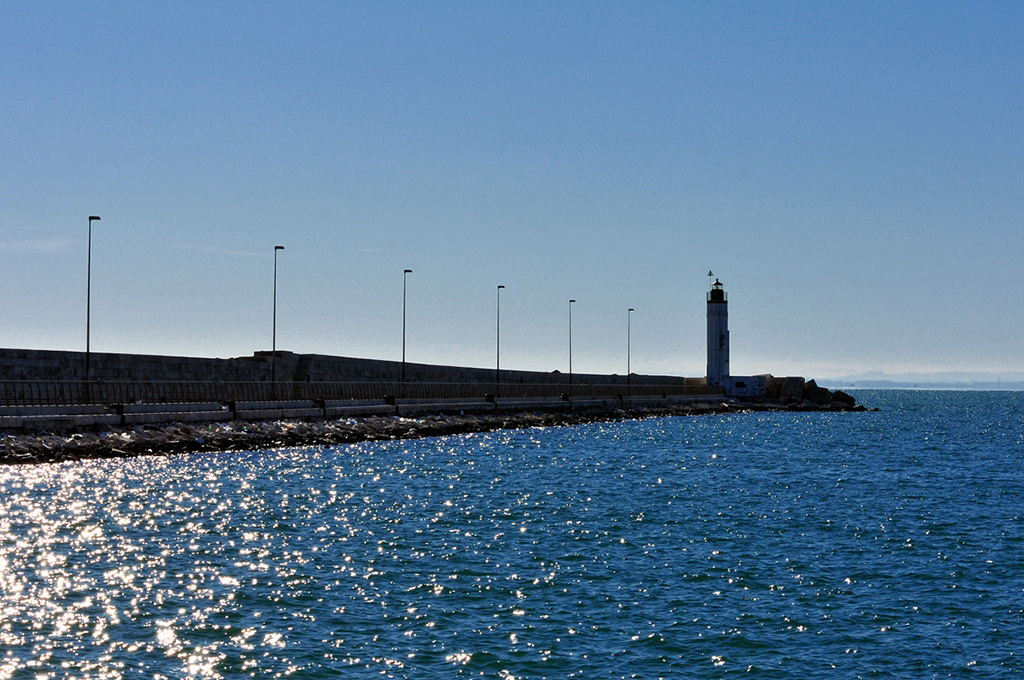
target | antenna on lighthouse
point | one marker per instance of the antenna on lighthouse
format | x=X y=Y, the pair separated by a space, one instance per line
x=710 y=276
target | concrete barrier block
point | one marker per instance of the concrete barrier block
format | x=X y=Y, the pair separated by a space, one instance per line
x=441 y=406
x=10 y=422
x=377 y=409
x=278 y=413
x=348 y=403
x=514 y=405
x=177 y=408
x=302 y=413
x=53 y=410
x=176 y=416
x=258 y=414
x=50 y=422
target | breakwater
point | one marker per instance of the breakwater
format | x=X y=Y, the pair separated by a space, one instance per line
x=326 y=399
x=43 y=389
x=39 y=406
x=182 y=437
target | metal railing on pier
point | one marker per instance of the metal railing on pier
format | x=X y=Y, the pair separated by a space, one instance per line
x=77 y=392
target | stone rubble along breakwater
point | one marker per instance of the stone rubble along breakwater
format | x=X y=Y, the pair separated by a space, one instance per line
x=175 y=438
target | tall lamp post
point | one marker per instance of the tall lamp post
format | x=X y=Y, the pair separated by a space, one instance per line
x=570 y=346
x=629 y=338
x=497 y=345
x=88 y=296
x=273 y=342
x=405 y=277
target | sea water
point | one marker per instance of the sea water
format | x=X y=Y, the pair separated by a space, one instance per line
x=761 y=545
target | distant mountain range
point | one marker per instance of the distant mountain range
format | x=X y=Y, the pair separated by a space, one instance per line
x=928 y=381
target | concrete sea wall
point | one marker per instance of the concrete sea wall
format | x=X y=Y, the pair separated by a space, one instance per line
x=34 y=364
x=46 y=389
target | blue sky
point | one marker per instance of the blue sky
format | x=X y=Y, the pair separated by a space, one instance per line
x=851 y=171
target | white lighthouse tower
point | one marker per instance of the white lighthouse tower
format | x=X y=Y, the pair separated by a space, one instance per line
x=718 y=336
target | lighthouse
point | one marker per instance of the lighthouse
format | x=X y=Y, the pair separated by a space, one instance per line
x=718 y=336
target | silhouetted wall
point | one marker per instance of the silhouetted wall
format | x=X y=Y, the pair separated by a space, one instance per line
x=29 y=364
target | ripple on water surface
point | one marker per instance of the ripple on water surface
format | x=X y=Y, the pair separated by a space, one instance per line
x=772 y=545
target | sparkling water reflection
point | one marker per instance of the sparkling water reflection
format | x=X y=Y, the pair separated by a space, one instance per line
x=772 y=545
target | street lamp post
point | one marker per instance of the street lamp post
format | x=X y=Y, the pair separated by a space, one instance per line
x=88 y=296
x=405 y=277
x=570 y=347
x=273 y=342
x=629 y=338
x=497 y=345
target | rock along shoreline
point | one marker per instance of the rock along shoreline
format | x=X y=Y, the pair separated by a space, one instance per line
x=177 y=438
